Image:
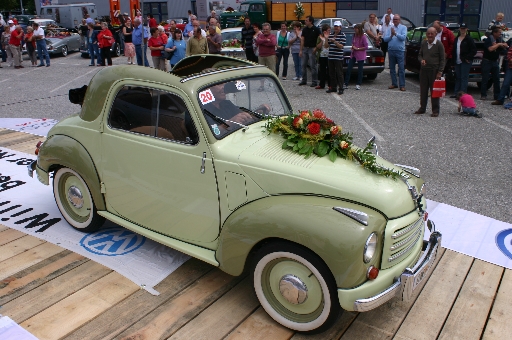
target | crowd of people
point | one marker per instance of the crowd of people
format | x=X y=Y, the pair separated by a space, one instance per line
x=320 y=49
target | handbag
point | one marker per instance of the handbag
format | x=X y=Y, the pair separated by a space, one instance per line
x=168 y=55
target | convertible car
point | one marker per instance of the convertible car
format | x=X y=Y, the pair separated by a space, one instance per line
x=191 y=159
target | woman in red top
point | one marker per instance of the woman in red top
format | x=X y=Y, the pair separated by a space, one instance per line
x=156 y=45
x=105 y=41
x=31 y=45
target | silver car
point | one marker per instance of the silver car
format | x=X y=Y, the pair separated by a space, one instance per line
x=62 y=44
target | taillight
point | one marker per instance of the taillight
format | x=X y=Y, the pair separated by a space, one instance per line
x=377 y=60
x=38 y=146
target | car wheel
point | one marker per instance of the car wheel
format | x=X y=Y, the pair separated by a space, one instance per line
x=295 y=287
x=117 y=50
x=64 y=51
x=371 y=76
x=489 y=84
x=75 y=202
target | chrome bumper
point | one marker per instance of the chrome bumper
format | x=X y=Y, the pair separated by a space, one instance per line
x=408 y=281
x=31 y=168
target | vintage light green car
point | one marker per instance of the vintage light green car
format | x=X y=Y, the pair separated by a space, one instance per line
x=183 y=159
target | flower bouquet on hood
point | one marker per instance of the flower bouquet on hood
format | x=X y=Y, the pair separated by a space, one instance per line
x=311 y=132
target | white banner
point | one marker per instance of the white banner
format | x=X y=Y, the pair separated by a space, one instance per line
x=39 y=127
x=29 y=206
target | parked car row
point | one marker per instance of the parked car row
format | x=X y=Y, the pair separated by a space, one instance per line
x=373 y=65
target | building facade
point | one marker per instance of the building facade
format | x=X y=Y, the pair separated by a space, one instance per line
x=476 y=13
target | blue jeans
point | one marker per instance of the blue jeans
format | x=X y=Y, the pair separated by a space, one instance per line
x=297 y=65
x=138 y=54
x=397 y=57
x=505 y=87
x=461 y=77
x=4 y=55
x=94 y=53
x=469 y=110
x=42 y=52
x=309 y=57
x=490 y=68
x=351 y=63
x=282 y=53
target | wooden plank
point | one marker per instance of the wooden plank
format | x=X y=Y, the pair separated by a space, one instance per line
x=77 y=309
x=27 y=259
x=432 y=307
x=168 y=318
x=34 y=276
x=117 y=319
x=335 y=332
x=7 y=142
x=383 y=321
x=19 y=246
x=3 y=228
x=9 y=235
x=499 y=326
x=223 y=316
x=468 y=316
x=52 y=292
x=260 y=326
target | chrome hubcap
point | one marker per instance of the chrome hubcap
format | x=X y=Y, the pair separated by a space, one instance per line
x=75 y=197
x=293 y=289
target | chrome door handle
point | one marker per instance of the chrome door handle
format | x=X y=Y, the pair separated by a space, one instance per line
x=202 y=162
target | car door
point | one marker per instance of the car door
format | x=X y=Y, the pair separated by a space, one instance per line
x=157 y=170
x=412 y=49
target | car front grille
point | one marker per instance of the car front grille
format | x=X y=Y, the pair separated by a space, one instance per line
x=402 y=241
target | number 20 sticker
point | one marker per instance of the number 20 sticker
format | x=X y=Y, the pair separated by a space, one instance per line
x=206 y=97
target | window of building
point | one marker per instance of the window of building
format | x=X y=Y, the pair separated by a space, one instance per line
x=357 y=5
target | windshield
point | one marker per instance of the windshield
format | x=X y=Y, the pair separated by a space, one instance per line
x=235 y=104
x=244 y=8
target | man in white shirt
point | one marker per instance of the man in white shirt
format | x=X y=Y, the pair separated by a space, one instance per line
x=390 y=13
x=386 y=25
x=42 y=52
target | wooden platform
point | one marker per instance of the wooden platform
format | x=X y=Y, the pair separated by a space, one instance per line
x=57 y=294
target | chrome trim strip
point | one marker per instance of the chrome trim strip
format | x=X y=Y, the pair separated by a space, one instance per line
x=364 y=305
x=31 y=168
x=407 y=229
x=357 y=215
x=405 y=240
x=404 y=251
x=219 y=71
x=410 y=169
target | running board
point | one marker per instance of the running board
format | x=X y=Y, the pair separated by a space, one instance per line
x=200 y=253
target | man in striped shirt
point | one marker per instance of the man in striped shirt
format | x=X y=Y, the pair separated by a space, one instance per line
x=337 y=41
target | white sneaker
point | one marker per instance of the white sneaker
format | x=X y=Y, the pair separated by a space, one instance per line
x=300 y=78
x=358 y=87
x=295 y=78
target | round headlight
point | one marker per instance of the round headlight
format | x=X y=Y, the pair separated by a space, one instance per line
x=369 y=247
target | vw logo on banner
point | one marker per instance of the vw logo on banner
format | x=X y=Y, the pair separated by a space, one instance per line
x=112 y=242
x=504 y=242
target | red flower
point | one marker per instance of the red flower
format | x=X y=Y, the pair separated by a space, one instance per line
x=335 y=130
x=314 y=128
x=304 y=114
x=344 y=145
x=317 y=113
x=297 y=121
x=330 y=121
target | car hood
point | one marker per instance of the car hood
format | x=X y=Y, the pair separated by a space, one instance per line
x=278 y=171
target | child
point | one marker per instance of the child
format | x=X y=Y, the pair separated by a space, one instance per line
x=467 y=103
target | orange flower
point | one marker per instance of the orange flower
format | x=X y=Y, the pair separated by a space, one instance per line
x=344 y=145
x=304 y=114
x=297 y=121
x=335 y=130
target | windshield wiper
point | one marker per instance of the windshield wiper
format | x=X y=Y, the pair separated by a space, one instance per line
x=223 y=121
x=257 y=114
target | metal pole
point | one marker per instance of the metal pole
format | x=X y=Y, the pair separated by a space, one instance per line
x=144 y=48
x=21 y=3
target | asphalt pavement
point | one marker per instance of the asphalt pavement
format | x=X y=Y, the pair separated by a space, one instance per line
x=466 y=161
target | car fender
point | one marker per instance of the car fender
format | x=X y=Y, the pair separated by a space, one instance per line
x=309 y=221
x=62 y=150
